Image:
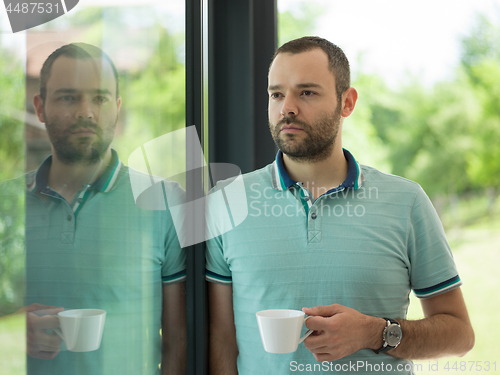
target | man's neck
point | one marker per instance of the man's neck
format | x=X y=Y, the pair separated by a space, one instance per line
x=319 y=176
x=67 y=180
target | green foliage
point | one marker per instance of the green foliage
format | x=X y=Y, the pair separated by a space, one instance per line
x=299 y=21
x=428 y=132
x=359 y=135
x=154 y=98
x=11 y=111
x=11 y=245
x=481 y=61
x=12 y=89
x=442 y=137
x=483 y=42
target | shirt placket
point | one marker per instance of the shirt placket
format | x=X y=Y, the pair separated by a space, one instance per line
x=313 y=221
x=68 y=211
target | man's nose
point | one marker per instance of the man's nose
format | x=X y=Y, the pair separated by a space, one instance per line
x=85 y=111
x=289 y=107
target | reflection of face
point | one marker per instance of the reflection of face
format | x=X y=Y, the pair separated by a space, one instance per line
x=81 y=109
x=304 y=115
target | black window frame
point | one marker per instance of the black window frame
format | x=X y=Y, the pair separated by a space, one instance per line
x=242 y=38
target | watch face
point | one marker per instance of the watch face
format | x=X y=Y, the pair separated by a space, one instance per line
x=394 y=335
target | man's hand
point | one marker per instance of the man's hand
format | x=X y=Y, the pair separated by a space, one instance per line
x=39 y=318
x=445 y=330
x=340 y=331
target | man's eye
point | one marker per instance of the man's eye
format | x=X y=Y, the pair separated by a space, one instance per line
x=275 y=95
x=101 y=99
x=67 y=98
x=307 y=93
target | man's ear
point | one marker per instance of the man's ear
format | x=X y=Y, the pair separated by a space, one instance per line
x=349 y=98
x=38 y=104
x=119 y=103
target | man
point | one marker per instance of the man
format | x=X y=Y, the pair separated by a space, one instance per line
x=341 y=241
x=88 y=245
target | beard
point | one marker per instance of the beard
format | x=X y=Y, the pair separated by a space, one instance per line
x=82 y=150
x=319 y=140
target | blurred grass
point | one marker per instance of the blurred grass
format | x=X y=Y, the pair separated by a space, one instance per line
x=12 y=345
x=475 y=242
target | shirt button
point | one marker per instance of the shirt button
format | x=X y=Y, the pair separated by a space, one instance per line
x=313 y=216
x=70 y=217
x=306 y=198
x=80 y=200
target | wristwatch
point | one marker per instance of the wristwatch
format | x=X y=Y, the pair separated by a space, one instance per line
x=392 y=336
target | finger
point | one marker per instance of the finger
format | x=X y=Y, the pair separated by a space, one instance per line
x=48 y=355
x=49 y=348
x=314 y=343
x=47 y=310
x=326 y=311
x=34 y=352
x=45 y=347
x=48 y=341
x=35 y=322
x=41 y=341
x=37 y=307
x=317 y=323
x=316 y=346
x=325 y=357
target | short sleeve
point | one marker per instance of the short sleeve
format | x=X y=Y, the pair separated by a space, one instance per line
x=174 y=266
x=433 y=270
x=217 y=268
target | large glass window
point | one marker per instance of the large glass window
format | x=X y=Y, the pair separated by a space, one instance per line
x=424 y=72
x=75 y=231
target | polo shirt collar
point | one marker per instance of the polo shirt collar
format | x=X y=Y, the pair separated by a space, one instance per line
x=107 y=182
x=282 y=181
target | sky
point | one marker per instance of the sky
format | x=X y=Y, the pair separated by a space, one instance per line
x=399 y=36
x=395 y=37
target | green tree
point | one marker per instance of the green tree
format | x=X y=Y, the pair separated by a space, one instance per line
x=154 y=98
x=12 y=86
x=359 y=135
x=481 y=61
x=299 y=21
x=427 y=131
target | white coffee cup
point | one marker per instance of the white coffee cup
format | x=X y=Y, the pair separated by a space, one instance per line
x=280 y=329
x=81 y=329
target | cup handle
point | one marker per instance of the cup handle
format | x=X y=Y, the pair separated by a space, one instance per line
x=309 y=331
x=59 y=333
x=58 y=330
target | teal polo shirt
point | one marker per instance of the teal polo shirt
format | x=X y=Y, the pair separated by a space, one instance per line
x=102 y=251
x=364 y=244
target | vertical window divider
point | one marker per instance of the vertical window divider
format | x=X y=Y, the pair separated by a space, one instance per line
x=195 y=255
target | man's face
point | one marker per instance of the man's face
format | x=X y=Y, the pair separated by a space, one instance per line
x=80 y=110
x=304 y=116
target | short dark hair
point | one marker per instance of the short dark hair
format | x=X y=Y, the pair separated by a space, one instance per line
x=337 y=60
x=75 y=51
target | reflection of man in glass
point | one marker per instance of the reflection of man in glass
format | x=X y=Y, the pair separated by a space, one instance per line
x=87 y=243
x=343 y=239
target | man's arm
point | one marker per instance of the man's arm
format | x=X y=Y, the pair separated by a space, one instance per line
x=173 y=360
x=445 y=331
x=223 y=348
